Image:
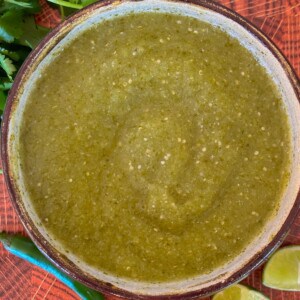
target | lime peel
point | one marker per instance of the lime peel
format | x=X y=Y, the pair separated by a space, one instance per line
x=282 y=272
x=239 y=292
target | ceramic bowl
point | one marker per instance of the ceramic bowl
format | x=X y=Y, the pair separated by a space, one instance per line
x=256 y=252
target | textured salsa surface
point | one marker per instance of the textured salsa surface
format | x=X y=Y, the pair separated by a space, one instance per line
x=155 y=147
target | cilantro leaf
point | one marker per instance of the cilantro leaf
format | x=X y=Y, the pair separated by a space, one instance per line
x=18 y=36
x=19 y=50
x=11 y=54
x=11 y=25
x=87 y=2
x=7 y=65
x=66 y=4
x=3 y=97
x=32 y=34
x=80 y=3
x=5 y=84
x=28 y=6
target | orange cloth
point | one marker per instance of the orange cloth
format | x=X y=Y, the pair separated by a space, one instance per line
x=19 y=280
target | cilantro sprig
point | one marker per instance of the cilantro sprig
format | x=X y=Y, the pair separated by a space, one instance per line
x=18 y=36
x=67 y=7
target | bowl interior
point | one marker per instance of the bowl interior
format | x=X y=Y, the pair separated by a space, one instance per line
x=245 y=261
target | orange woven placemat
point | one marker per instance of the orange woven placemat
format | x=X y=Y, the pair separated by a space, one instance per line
x=19 y=280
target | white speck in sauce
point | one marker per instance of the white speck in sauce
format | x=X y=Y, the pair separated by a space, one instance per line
x=130 y=166
x=167 y=156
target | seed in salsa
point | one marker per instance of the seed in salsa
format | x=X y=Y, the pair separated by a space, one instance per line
x=155 y=147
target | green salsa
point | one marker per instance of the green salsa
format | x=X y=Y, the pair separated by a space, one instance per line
x=155 y=147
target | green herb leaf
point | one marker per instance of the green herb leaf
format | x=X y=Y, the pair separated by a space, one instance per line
x=32 y=33
x=5 y=84
x=18 y=35
x=30 y=6
x=2 y=100
x=66 y=4
x=11 y=54
x=74 y=1
x=7 y=65
x=87 y=2
x=20 y=50
x=11 y=25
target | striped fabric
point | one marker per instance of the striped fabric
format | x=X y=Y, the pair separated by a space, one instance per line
x=280 y=20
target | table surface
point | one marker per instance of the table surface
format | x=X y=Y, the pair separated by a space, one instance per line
x=279 y=20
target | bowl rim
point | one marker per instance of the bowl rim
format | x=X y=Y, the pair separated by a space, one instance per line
x=46 y=248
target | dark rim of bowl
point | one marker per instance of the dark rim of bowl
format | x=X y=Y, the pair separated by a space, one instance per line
x=64 y=263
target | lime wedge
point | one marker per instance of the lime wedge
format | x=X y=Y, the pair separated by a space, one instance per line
x=239 y=292
x=255 y=295
x=282 y=271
